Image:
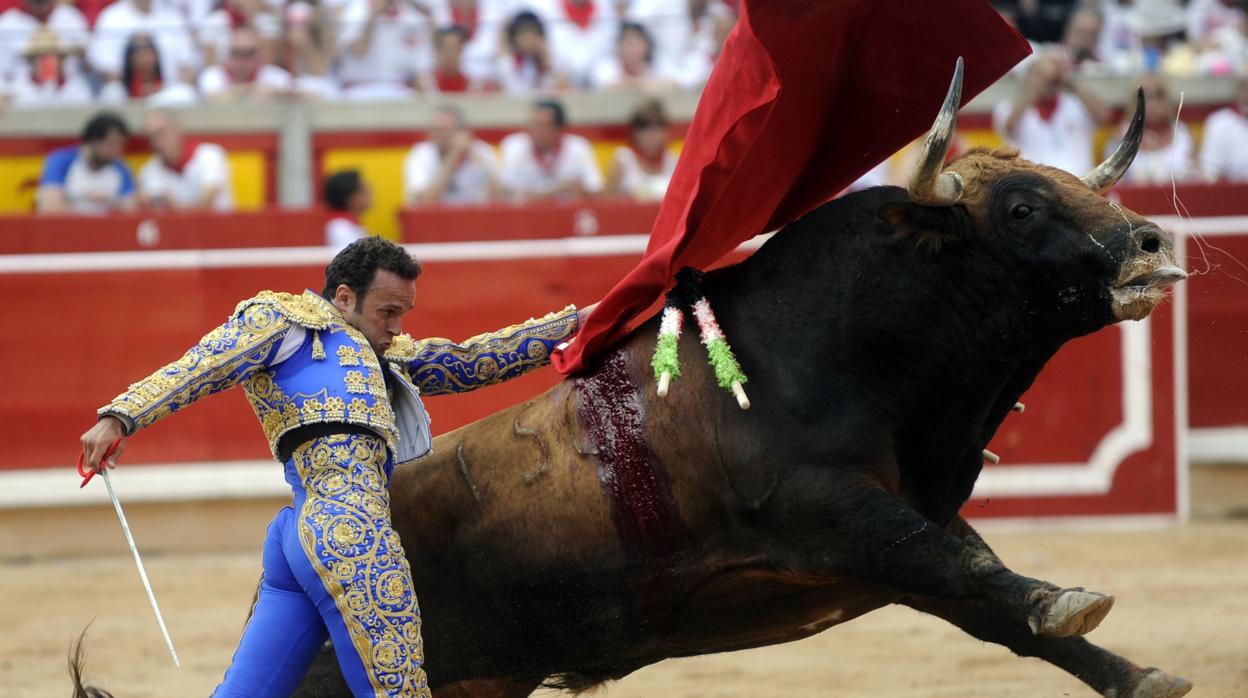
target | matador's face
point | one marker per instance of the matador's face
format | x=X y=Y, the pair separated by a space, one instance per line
x=379 y=315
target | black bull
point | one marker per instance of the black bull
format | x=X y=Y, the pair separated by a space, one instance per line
x=598 y=528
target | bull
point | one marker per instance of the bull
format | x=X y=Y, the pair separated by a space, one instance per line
x=597 y=528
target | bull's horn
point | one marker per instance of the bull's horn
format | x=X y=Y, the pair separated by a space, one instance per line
x=928 y=185
x=1109 y=172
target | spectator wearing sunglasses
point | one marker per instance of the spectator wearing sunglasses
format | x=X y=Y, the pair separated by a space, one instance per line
x=244 y=76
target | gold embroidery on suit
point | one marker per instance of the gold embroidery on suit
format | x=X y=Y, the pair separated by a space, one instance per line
x=344 y=528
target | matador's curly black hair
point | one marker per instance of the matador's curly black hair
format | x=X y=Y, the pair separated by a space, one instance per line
x=357 y=264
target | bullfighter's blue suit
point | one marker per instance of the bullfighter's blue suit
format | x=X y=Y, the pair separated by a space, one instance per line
x=339 y=419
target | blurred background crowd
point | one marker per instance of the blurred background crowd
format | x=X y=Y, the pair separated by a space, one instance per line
x=173 y=52
x=167 y=55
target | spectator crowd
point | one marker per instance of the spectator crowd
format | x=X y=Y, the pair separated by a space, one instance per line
x=174 y=52
x=543 y=162
x=177 y=52
x=1054 y=116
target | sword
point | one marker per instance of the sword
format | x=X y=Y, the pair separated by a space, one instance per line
x=134 y=550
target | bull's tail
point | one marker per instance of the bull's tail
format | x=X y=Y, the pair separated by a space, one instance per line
x=76 y=660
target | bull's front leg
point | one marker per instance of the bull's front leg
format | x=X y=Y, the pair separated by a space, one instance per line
x=1104 y=671
x=883 y=540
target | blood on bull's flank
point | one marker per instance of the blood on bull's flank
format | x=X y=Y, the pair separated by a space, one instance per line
x=643 y=508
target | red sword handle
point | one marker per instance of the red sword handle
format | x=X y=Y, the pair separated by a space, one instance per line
x=88 y=474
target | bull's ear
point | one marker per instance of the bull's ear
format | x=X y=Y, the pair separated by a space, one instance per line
x=931 y=227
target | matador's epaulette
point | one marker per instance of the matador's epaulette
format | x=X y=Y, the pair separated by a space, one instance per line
x=305 y=309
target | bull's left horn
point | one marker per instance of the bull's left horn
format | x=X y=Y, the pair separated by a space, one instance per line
x=1115 y=166
x=928 y=184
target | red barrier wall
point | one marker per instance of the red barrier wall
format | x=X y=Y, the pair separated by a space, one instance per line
x=528 y=221
x=168 y=231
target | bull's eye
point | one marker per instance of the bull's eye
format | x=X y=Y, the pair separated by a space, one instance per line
x=1021 y=211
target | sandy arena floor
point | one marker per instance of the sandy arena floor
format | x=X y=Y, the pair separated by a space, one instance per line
x=1182 y=606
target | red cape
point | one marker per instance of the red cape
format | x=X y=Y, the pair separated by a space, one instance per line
x=806 y=97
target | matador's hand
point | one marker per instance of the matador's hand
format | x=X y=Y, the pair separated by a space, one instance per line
x=97 y=440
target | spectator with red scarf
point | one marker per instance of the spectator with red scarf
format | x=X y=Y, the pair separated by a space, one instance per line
x=526 y=66
x=182 y=173
x=18 y=26
x=1052 y=119
x=642 y=169
x=546 y=162
x=47 y=77
x=448 y=71
x=140 y=70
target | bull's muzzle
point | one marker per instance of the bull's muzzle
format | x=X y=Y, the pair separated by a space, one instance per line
x=1146 y=276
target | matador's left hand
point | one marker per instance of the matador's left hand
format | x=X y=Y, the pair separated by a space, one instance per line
x=582 y=314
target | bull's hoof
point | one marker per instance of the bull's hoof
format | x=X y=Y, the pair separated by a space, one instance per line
x=1072 y=612
x=1158 y=684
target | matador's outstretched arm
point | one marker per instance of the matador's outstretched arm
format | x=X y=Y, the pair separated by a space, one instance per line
x=440 y=366
x=225 y=356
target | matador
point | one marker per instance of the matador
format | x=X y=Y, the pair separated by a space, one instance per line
x=337 y=389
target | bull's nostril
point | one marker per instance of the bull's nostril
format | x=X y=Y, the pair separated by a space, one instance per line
x=1151 y=244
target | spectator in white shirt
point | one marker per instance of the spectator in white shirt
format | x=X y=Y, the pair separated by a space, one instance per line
x=526 y=67
x=1052 y=120
x=451 y=167
x=546 y=162
x=307 y=49
x=89 y=177
x=48 y=77
x=244 y=75
x=643 y=169
x=1224 y=148
x=165 y=25
x=1166 y=149
x=181 y=173
x=581 y=33
x=347 y=197
x=384 y=45
x=684 y=32
x=19 y=24
x=632 y=66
